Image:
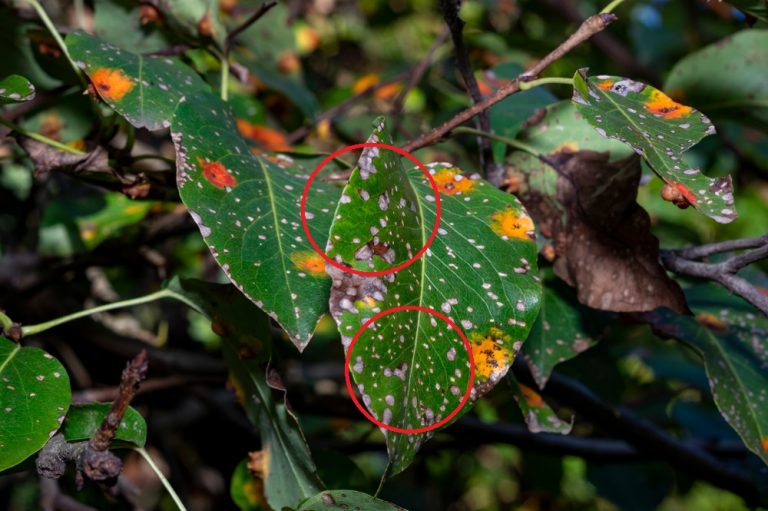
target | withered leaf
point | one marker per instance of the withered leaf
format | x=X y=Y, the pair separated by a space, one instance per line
x=602 y=239
x=48 y=159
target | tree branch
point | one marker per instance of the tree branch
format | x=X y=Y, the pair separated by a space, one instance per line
x=590 y=27
x=416 y=74
x=642 y=434
x=455 y=24
x=684 y=262
x=253 y=18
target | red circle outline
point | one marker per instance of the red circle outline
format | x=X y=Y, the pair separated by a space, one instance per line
x=402 y=152
x=423 y=429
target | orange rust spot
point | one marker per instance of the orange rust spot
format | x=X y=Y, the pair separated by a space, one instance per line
x=365 y=82
x=531 y=396
x=310 y=262
x=288 y=62
x=765 y=444
x=217 y=174
x=307 y=39
x=484 y=87
x=662 y=105
x=490 y=357
x=513 y=224
x=268 y=138
x=678 y=194
x=450 y=182
x=712 y=322
x=112 y=84
x=388 y=91
x=605 y=84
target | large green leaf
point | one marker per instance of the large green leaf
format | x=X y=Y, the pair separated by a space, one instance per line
x=732 y=338
x=144 y=90
x=15 y=89
x=248 y=211
x=560 y=332
x=289 y=473
x=726 y=79
x=757 y=8
x=660 y=130
x=347 y=500
x=84 y=419
x=480 y=271
x=34 y=398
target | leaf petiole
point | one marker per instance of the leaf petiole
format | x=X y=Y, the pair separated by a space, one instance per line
x=144 y=454
x=544 y=81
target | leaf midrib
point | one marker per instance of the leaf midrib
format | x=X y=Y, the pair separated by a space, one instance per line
x=10 y=357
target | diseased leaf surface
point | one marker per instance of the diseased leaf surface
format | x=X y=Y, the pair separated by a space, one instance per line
x=144 y=90
x=347 y=500
x=727 y=79
x=660 y=130
x=15 y=89
x=412 y=370
x=248 y=210
x=84 y=419
x=732 y=338
x=538 y=415
x=34 y=398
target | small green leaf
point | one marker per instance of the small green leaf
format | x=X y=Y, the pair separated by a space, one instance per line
x=346 y=500
x=731 y=337
x=560 y=332
x=727 y=79
x=480 y=272
x=144 y=90
x=15 y=89
x=34 y=399
x=84 y=419
x=538 y=415
x=290 y=475
x=660 y=130
x=248 y=210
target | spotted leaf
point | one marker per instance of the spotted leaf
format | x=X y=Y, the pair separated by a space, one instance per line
x=660 y=130
x=247 y=207
x=34 y=399
x=346 y=500
x=560 y=333
x=144 y=90
x=15 y=89
x=732 y=338
x=410 y=367
x=727 y=79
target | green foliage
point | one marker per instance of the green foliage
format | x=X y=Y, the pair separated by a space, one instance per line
x=660 y=130
x=34 y=399
x=84 y=419
x=144 y=90
x=248 y=211
x=15 y=89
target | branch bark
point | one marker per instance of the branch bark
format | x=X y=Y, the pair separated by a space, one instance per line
x=590 y=27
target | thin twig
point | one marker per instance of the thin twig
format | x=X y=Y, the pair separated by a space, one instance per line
x=455 y=24
x=253 y=18
x=417 y=73
x=590 y=27
x=642 y=434
x=701 y=251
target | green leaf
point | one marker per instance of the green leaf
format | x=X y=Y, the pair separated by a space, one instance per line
x=246 y=490
x=119 y=22
x=84 y=419
x=144 y=90
x=480 y=271
x=347 y=500
x=727 y=79
x=559 y=334
x=197 y=20
x=660 y=130
x=757 y=8
x=538 y=415
x=248 y=211
x=731 y=338
x=289 y=472
x=34 y=398
x=15 y=89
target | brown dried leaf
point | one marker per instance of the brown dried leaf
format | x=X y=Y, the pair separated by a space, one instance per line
x=602 y=238
x=48 y=159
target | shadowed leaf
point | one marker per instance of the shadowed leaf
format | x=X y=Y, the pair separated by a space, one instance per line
x=84 y=419
x=15 y=89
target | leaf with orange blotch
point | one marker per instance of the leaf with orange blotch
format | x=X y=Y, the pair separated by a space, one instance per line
x=144 y=90
x=538 y=415
x=267 y=138
x=247 y=207
x=660 y=130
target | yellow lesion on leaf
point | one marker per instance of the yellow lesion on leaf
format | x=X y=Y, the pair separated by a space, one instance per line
x=451 y=182
x=513 y=223
x=712 y=322
x=309 y=262
x=662 y=105
x=112 y=84
x=491 y=358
